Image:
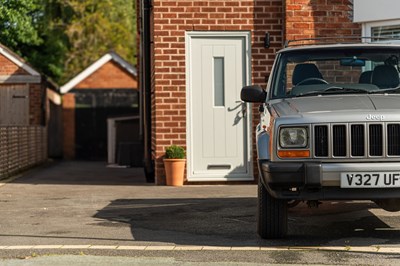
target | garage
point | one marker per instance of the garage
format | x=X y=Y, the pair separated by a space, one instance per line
x=105 y=90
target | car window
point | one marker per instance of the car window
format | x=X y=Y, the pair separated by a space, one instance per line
x=306 y=72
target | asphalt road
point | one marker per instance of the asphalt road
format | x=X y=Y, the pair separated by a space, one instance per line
x=88 y=210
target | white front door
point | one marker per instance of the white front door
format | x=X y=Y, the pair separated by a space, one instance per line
x=218 y=138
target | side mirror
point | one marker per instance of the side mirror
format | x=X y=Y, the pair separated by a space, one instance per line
x=253 y=94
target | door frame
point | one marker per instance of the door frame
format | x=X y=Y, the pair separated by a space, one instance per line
x=189 y=36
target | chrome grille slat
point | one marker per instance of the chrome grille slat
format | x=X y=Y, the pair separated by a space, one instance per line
x=339 y=140
x=393 y=139
x=357 y=140
x=321 y=141
x=375 y=140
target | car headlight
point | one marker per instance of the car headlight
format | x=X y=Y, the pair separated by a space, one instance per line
x=293 y=137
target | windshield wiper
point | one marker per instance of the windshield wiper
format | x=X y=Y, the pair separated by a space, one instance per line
x=397 y=89
x=333 y=90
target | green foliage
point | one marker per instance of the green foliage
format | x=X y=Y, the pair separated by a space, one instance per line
x=175 y=152
x=96 y=27
x=19 y=24
x=61 y=38
x=49 y=57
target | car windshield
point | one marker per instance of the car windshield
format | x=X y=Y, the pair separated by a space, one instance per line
x=310 y=72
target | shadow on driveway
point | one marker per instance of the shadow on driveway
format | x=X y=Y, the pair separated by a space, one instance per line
x=84 y=173
x=232 y=222
x=88 y=203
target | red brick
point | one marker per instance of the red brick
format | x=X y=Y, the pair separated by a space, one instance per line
x=297 y=18
x=110 y=75
x=7 y=67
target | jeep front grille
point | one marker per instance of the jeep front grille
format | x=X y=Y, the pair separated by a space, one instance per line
x=340 y=137
x=358 y=140
x=375 y=140
x=393 y=139
x=321 y=141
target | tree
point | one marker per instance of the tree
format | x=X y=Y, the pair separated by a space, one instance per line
x=19 y=24
x=50 y=55
x=60 y=38
x=96 y=27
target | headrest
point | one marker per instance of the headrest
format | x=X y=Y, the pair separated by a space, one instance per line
x=365 y=77
x=385 y=76
x=305 y=71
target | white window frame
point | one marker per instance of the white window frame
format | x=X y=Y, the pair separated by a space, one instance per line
x=367 y=26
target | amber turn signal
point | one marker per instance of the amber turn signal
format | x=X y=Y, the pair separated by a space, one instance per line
x=294 y=153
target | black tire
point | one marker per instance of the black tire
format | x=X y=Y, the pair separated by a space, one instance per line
x=272 y=218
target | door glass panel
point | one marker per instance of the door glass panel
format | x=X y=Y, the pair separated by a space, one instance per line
x=219 y=84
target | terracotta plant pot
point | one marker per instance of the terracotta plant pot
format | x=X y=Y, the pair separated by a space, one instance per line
x=174 y=171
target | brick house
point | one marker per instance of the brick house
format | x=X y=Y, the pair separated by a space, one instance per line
x=106 y=89
x=196 y=55
x=23 y=132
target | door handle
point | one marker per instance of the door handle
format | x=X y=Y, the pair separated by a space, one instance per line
x=244 y=109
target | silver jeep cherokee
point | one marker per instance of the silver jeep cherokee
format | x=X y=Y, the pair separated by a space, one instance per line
x=329 y=129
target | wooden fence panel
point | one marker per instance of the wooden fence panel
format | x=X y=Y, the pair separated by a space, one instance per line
x=21 y=147
x=3 y=151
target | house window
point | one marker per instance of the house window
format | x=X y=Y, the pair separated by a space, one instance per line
x=386 y=31
x=383 y=29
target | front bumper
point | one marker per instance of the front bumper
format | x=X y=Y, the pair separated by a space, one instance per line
x=321 y=181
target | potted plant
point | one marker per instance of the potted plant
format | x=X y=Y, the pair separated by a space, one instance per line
x=174 y=163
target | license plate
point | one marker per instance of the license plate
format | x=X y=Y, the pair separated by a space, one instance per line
x=370 y=180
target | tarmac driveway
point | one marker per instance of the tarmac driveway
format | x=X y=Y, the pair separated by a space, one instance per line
x=85 y=205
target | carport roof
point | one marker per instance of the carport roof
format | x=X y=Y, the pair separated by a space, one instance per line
x=95 y=66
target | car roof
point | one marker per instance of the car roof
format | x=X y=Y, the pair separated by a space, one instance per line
x=369 y=45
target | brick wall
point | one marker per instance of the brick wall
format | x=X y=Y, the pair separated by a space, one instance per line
x=9 y=68
x=171 y=19
x=37 y=98
x=68 y=117
x=110 y=75
x=320 y=18
x=290 y=19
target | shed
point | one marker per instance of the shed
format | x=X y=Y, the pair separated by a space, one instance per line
x=23 y=132
x=106 y=89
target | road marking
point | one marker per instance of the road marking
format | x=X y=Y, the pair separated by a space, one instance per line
x=75 y=246
x=188 y=248
x=274 y=248
x=159 y=247
x=102 y=247
x=216 y=248
x=19 y=247
x=364 y=249
x=131 y=247
x=48 y=246
x=246 y=248
x=355 y=249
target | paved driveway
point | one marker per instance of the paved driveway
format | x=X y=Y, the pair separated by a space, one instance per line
x=86 y=203
x=87 y=206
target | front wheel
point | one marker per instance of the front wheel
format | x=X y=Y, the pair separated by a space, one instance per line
x=272 y=215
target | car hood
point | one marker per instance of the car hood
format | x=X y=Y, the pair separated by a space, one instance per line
x=336 y=103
